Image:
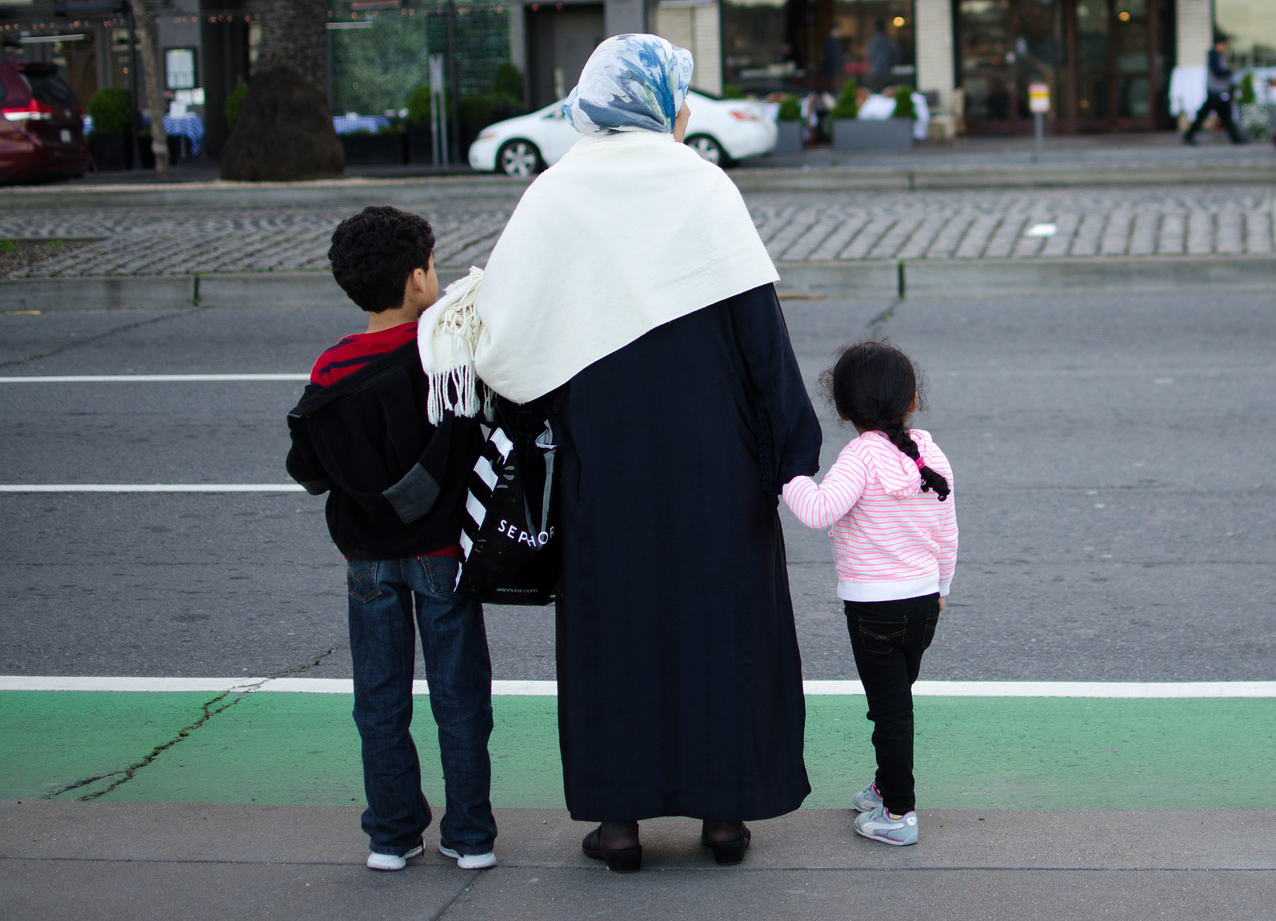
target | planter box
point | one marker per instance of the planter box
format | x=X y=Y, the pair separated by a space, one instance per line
x=789 y=138
x=373 y=148
x=110 y=151
x=420 y=139
x=879 y=134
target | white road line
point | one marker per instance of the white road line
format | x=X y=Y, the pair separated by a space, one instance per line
x=149 y=487
x=150 y=378
x=1094 y=689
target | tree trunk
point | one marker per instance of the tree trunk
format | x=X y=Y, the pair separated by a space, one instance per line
x=284 y=130
x=145 y=26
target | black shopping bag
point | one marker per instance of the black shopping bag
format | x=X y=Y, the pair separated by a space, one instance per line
x=510 y=552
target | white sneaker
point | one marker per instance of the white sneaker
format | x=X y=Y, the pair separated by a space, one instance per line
x=867 y=799
x=469 y=861
x=394 y=861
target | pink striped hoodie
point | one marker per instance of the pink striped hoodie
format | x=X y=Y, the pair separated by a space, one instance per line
x=890 y=539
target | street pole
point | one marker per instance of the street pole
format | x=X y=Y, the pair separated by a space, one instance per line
x=1039 y=105
x=135 y=140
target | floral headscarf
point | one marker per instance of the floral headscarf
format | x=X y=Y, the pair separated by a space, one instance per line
x=631 y=82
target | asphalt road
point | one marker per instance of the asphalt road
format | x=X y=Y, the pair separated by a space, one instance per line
x=1112 y=458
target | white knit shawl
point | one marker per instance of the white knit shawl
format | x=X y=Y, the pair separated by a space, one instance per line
x=624 y=234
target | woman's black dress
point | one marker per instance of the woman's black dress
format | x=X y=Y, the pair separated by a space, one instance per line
x=679 y=676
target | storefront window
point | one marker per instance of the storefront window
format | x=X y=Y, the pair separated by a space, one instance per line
x=758 y=57
x=878 y=44
x=802 y=45
x=1252 y=27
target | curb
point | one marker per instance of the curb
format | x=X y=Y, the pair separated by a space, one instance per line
x=407 y=191
x=1018 y=176
x=819 y=280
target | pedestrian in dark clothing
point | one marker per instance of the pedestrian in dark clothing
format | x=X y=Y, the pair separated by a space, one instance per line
x=1218 y=93
x=883 y=55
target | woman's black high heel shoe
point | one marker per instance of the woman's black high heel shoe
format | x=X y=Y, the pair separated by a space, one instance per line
x=731 y=850
x=619 y=859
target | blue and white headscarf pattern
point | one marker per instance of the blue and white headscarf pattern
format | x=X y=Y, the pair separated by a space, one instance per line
x=631 y=82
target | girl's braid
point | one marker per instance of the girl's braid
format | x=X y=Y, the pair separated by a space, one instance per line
x=931 y=479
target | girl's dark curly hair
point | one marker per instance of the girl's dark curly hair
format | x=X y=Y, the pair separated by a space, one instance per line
x=872 y=385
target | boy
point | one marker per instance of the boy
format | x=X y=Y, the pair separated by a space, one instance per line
x=396 y=492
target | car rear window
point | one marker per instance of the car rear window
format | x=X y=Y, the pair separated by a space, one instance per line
x=51 y=88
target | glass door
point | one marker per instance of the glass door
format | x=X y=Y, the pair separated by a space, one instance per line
x=1004 y=46
x=985 y=62
x=1119 y=73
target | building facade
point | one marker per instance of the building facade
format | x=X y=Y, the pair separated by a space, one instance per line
x=1108 y=63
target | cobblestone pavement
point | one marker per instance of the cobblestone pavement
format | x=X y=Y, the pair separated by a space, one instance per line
x=837 y=227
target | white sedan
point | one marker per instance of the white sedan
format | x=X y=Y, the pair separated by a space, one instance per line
x=720 y=130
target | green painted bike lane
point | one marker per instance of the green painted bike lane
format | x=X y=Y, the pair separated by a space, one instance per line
x=972 y=753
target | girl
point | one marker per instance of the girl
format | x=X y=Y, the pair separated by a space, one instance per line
x=894 y=531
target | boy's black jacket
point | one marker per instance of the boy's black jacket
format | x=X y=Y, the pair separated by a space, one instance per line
x=396 y=483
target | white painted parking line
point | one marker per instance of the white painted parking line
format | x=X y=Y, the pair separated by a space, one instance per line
x=151 y=378
x=148 y=487
x=1181 y=690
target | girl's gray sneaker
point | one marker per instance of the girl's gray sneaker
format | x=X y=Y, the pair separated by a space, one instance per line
x=882 y=825
x=867 y=799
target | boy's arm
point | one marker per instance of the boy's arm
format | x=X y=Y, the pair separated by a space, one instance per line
x=303 y=464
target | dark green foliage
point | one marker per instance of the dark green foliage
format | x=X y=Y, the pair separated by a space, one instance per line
x=904 y=105
x=375 y=70
x=111 y=109
x=848 y=103
x=508 y=82
x=790 y=110
x=234 y=100
x=1247 y=96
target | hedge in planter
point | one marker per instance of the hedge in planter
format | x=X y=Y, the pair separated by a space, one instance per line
x=790 y=129
x=111 y=109
x=895 y=133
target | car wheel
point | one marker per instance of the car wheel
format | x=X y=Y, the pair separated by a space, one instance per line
x=709 y=149
x=519 y=158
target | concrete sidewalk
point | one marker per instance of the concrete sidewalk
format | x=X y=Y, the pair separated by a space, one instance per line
x=163 y=861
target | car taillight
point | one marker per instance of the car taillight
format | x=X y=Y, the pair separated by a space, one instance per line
x=744 y=115
x=35 y=110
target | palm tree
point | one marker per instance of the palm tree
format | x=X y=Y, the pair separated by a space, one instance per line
x=284 y=130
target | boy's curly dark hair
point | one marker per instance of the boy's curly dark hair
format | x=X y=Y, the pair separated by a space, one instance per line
x=374 y=252
x=872 y=385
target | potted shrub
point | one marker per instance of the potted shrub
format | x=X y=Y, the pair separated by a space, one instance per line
x=893 y=133
x=842 y=117
x=789 y=139
x=1253 y=117
x=111 y=141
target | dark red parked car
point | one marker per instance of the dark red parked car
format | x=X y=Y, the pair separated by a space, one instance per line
x=41 y=124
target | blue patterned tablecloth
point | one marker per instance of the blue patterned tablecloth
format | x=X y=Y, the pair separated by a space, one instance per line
x=349 y=124
x=189 y=126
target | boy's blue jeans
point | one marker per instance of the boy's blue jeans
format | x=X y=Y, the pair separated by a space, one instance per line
x=459 y=673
